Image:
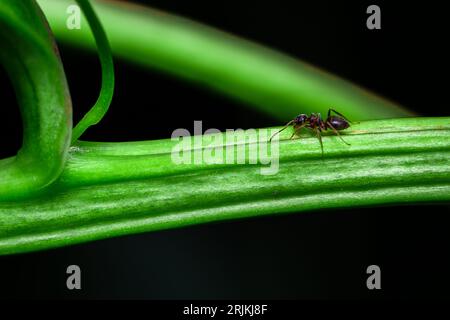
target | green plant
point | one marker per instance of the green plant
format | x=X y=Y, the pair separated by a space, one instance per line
x=101 y=190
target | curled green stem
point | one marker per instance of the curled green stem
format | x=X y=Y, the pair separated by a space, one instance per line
x=30 y=57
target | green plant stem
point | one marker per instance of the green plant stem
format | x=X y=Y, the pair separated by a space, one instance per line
x=111 y=189
x=266 y=79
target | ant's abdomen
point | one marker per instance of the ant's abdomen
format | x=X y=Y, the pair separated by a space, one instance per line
x=338 y=123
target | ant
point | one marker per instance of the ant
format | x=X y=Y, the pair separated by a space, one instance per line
x=315 y=123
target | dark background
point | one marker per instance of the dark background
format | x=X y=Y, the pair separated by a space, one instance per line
x=323 y=254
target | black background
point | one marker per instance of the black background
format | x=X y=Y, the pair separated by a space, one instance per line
x=323 y=254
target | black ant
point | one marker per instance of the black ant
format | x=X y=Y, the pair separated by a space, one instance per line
x=315 y=123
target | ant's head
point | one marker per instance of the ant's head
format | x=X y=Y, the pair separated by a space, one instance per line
x=300 y=119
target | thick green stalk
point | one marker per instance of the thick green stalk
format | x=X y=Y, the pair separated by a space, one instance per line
x=111 y=189
x=268 y=80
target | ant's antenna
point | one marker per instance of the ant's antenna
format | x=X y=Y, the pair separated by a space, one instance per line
x=287 y=125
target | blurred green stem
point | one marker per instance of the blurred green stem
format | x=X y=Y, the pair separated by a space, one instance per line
x=266 y=79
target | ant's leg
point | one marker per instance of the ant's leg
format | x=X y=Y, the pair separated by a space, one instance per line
x=285 y=126
x=319 y=136
x=337 y=133
x=297 y=129
x=338 y=113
